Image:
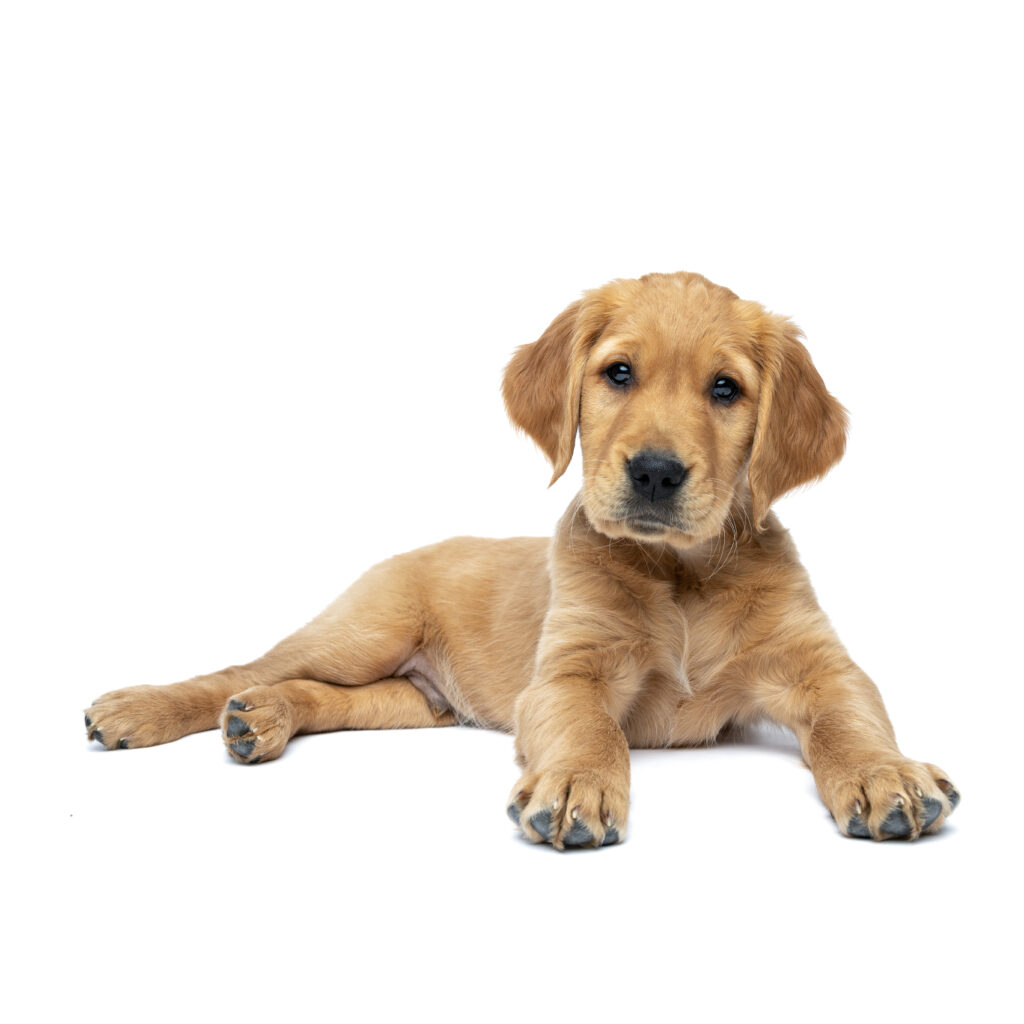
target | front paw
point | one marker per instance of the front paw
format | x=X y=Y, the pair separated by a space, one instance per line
x=571 y=807
x=894 y=800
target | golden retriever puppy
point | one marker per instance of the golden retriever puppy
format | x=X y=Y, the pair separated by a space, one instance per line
x=669 y=605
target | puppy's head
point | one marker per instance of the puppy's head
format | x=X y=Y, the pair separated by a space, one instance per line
x=681 y=394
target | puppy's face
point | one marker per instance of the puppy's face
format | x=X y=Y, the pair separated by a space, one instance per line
x=683 y=396
x=668 y=412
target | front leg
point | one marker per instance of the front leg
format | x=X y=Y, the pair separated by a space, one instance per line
x=575 y=787
x=869 y=787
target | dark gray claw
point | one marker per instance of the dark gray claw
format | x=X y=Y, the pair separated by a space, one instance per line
x=896 y=823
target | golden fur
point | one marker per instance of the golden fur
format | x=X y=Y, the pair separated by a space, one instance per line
x=647 y=621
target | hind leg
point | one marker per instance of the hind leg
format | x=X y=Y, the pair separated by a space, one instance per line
x=365 y=636
x=257 y=723
x=143 y=716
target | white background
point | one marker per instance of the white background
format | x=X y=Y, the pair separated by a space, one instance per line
x=262 y=267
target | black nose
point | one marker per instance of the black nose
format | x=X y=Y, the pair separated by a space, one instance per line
x=655 y=477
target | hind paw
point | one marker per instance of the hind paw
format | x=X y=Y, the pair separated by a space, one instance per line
x=256 y=725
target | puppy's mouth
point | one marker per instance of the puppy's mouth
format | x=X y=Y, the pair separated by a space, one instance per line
x=645 y=523
x=648 y=518
x=678 y=526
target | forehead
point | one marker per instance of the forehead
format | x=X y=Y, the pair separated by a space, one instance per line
x=680 y=326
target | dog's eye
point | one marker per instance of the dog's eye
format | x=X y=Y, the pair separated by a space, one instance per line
x=725 y=390
x=619 y=373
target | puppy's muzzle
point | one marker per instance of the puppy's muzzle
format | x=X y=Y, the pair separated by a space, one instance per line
x=655 y=476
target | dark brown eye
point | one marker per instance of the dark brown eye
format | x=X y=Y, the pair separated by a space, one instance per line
x=620 y=374
x=725 y=390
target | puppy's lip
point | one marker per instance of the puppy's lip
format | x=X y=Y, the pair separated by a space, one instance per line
x=646 y=525
x=665 y=519
x=649 y=522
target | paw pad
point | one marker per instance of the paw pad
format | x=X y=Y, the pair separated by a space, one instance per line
x=932 y=810
x=541 y=823
x=244 y=747
x=578 y=835
x=236 y=727
x=896 y=823
x=858 y=827
x=907 y=810
x=951 y=794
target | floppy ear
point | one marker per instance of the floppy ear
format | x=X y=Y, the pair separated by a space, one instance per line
x=544 y=380
x=801 y=428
